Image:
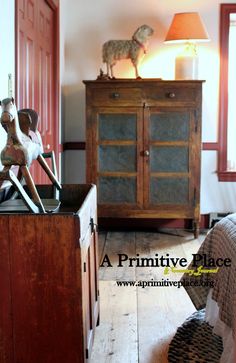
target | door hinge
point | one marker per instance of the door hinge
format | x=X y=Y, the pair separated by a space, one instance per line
x=84 y=266
x=86 y=353
x=93 y=226
x=195 y=121
x=196 y=125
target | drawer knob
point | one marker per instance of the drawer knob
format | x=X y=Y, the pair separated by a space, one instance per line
x=146 y=153
x=171 y=95
x=115 y=95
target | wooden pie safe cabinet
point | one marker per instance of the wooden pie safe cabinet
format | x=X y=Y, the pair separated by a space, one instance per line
x=143 y=147
x=49 y=305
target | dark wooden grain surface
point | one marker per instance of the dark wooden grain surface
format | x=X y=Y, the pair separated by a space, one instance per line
x=49 y=303
x=147 y=101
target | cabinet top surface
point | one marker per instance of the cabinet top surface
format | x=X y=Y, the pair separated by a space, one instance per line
x=140 y=81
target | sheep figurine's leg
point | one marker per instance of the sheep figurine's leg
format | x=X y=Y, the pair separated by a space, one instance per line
x=108 y=68
x=135 y=64
x=136 y=71
x=111 y=67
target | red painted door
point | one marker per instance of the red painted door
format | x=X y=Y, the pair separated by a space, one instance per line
x=37 y=70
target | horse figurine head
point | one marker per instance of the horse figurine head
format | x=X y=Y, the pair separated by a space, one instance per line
x=9 y=118
x=9 y=110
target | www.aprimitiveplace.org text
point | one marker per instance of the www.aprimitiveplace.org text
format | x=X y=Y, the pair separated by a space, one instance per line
x=165 y=283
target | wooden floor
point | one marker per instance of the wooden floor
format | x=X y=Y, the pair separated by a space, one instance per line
x=137 y=324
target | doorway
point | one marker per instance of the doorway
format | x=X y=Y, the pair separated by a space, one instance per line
x=37 y=70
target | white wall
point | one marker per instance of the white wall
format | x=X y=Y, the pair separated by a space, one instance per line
x=88 y=24
x=7 y=54
x=85 y=26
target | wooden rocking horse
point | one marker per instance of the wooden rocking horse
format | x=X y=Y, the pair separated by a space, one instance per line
x=24 y=144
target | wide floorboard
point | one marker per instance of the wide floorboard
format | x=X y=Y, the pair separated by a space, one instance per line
x=137 y=323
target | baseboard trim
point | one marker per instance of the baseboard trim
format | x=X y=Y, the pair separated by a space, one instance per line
x=74 y=145
x=149 y=224
x=210 y=146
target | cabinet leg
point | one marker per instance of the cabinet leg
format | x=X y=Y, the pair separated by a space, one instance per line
x=196 y=228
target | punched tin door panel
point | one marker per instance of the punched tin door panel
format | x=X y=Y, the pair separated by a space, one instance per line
x=117 y=162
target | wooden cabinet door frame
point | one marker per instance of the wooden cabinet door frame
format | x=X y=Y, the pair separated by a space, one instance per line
x=93 y=157
x=54 y=5
x=186 y=209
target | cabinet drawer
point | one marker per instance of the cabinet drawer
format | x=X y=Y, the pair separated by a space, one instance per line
x=116 y=96
x=166 y=95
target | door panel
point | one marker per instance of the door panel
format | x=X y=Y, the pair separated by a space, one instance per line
x=36 y=71
x=169 y=190
x=117 y=127
x=169 y=159
x=169 y=126
x=117 y=190
x=120 y=158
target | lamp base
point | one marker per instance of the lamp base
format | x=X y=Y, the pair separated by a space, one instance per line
x=186 y=67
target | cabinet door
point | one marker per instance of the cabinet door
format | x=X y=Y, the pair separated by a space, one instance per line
x=170 y=138
x=114 y=162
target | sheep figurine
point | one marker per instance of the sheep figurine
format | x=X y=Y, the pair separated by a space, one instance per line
x=134 y=49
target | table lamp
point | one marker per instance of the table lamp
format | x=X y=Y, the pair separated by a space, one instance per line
x=187 y=28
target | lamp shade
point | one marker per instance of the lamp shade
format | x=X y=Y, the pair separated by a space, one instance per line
x=186 y=27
